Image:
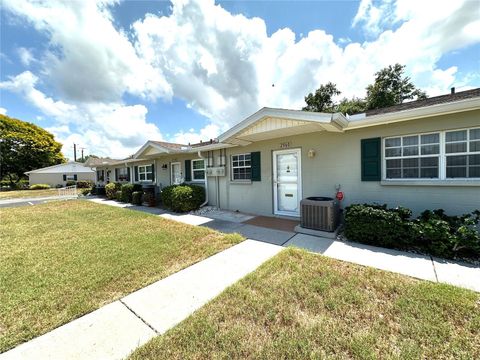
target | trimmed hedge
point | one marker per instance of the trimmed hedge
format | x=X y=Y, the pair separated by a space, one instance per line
x=84 y=184
x=118 y=195
x=39 y=187
x=127 y=191
x=183 y=198
x=137 y=198
x=70 y=183
x=433 y=232
x=111 y=190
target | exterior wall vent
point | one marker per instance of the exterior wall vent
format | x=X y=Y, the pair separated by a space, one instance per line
x=319 y=213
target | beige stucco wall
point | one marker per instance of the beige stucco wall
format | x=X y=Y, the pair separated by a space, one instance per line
x=54 y=179
x=337 y=161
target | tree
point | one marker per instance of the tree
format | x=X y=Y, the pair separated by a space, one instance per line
x=351 y=106
x=391 y=87
x=322 y=100
x=24 y=147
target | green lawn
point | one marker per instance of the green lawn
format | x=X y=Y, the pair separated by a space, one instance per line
x=17 y=194
x=63 y=259
x=304 y=306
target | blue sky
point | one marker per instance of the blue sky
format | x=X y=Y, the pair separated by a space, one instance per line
x=118 y=73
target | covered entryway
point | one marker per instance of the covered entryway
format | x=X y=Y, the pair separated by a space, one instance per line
x=287 y=182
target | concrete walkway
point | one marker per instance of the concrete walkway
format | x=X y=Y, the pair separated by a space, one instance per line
x=33 y=201
x=418 y=266
x=115 y=330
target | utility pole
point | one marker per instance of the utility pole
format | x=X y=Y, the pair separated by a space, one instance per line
x=82 y=153
x=74 y=152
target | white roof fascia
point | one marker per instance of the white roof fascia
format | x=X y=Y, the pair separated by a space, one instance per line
x=417 y=113
x=322 y=118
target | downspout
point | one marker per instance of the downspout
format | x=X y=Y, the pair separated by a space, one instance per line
x=206 y=181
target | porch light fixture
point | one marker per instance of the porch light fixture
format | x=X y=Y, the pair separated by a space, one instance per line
x=164 y=166
x=311 y=153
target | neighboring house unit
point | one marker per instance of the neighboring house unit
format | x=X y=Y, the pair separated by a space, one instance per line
x=422 y=154
x=60 y=174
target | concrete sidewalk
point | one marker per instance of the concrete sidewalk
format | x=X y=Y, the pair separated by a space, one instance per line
x=33 y=201
x=418 y=266
x=115 y=330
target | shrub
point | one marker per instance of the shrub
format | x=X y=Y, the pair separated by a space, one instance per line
x=183 y=198
x=137 y=198
x=127 y=190
x=21 y=184
x=85 y=184
x=70 y=183
x=377 y=225
x=166 y=195
x=118 y=195
x=86 y=191
x=433 y=232
x=111 y=190
x=450 y=236
x=39 y=186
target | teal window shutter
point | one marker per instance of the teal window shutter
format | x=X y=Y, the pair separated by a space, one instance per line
x=188 y=170
x=255 y=166
x=75 y=177
x=371 y=158
x=153 y=173
x=116 y=174
x=128 y=173
x=64 y=177
x=136 y=173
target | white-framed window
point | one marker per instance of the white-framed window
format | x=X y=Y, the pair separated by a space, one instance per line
x=441 y=155
x=100 y=175
x=71 y=177
x=462 y=151
x=145 y=173
x=412 y=156
x=123 y=174
x=241 y=167
x=198 y=170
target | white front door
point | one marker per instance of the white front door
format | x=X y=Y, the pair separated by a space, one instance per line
x=287 y=182
x=176 y=173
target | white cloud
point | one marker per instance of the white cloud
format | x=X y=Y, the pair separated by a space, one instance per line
x=25 y=55
x=91 y=61
x=223 y=66
x=375 y=16
x=210 y=131
x=24 y=84
x=3 y=111
x=104 y=128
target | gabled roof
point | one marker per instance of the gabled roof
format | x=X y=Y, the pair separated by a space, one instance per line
x=155 y=148
x=269 y=123
x=69 y=167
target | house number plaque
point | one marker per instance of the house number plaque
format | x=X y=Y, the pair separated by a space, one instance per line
x=284 y=145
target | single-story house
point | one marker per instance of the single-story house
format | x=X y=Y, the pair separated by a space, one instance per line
x=421 y=154
x=60 y=174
